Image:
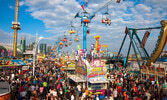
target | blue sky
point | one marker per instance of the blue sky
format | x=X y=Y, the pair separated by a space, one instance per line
x=51 y=18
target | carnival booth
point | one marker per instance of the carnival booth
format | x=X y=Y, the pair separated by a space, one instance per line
x=71 y=67
x=80 y=72
x=97 y=82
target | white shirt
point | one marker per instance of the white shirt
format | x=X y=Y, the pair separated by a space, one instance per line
x=115 y=93
x=79 y=87
x=111 y=98
x=121 y=79
x=12 y=76
x=51 y=91
x=153 y=82
x=54 y=93
x=72 y=97
x=83 y=96
x=32 y=87
x=97 y=98
x=23 y=94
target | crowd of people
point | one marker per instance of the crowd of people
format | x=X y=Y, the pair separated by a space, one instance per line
x=126 y=86
x=50 y=83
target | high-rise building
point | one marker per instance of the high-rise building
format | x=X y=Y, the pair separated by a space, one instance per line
x=43 y=48
x=49 y=49
x=22 y=45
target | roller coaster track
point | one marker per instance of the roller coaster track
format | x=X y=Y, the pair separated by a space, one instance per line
x=161 y=42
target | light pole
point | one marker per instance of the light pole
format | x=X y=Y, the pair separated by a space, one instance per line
x=34 y=53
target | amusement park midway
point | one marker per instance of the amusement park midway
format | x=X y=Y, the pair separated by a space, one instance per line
x=83 y=50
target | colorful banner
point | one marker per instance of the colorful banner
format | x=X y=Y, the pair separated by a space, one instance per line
x=97 y=70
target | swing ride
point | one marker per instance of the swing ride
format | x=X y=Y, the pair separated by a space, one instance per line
x=85 y=19
x=72 y=30
x=106 y=18
x=76 y=38
x=139 y=46
x=65 y=40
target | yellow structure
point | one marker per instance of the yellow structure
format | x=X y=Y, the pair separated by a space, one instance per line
x=162 y=42
x=15 y=27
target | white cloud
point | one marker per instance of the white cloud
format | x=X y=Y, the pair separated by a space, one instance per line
x=5 y=37
x=11 y=7
x=21 y=3
x=143 y=8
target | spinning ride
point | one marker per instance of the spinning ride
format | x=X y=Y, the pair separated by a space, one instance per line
x=139 y=46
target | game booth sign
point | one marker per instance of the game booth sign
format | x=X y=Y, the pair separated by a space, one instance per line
x=96 y=74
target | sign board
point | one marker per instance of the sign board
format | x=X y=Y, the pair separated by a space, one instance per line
x=104 y=46
x=97 y=70
x=25 y=67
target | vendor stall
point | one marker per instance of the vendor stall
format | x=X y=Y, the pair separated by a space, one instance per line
x=97 y=82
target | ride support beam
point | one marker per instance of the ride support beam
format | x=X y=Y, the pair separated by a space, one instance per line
x=127 y=57
x=131 y=39
x=84 y=37
x=121 y=45
x=150 y=28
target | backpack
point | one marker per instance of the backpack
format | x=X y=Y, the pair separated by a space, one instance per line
x=58 y=86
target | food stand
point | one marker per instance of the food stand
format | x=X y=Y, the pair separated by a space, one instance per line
x=80 y=72
x=97 y=83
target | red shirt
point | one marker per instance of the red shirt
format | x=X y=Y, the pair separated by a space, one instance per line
x=22 y=89
x=26 y=79
x=135 y=89
x=119 y=89
x=138 y=99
